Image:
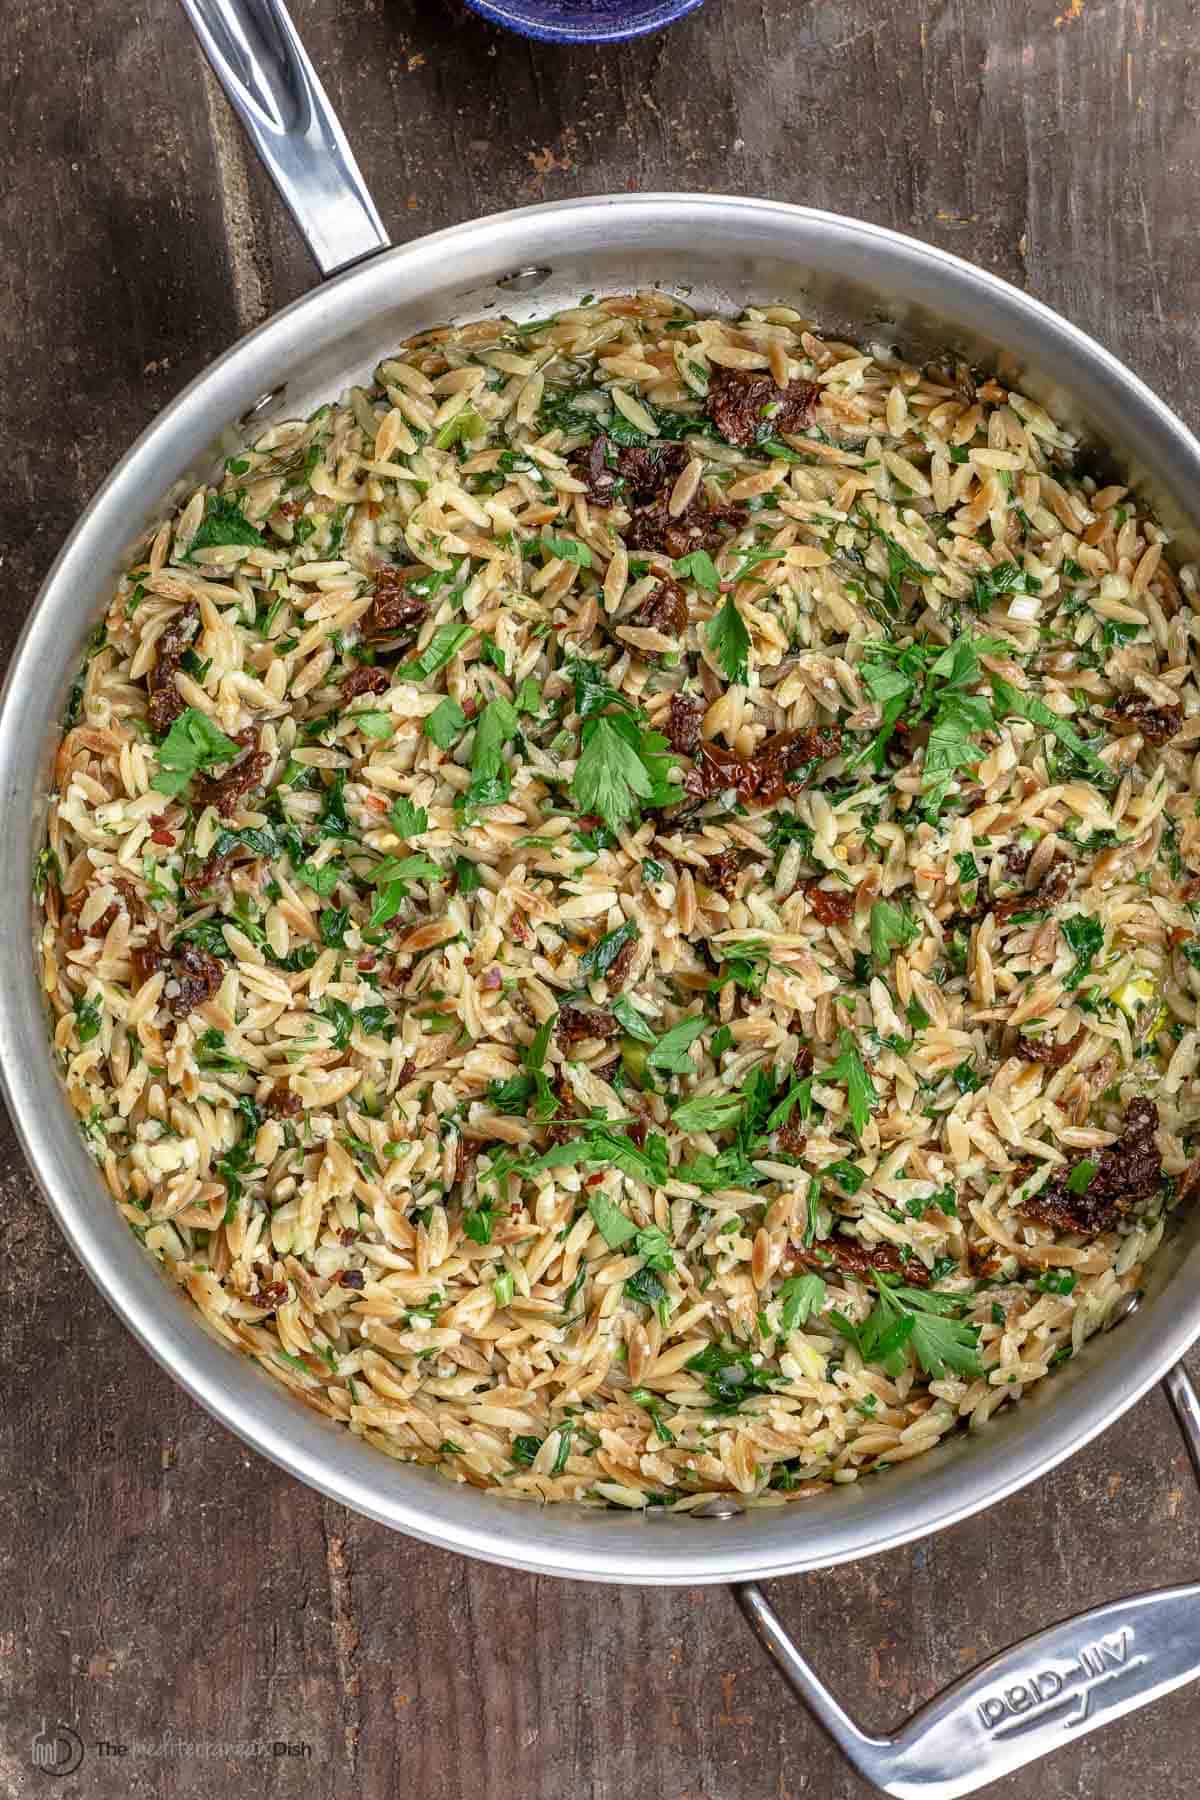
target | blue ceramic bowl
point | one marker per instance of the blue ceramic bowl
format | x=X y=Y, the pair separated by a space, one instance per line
x=583 y=21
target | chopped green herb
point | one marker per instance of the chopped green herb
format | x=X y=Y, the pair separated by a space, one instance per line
x=800 y=1298
x=729 y=641
x=892 y=928
x=193 y=743
x=446 y=723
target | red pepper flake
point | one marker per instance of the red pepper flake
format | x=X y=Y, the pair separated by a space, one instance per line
x=594 y=1180
x=162 y=836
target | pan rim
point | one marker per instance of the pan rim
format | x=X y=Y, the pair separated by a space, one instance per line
x=252 y=1406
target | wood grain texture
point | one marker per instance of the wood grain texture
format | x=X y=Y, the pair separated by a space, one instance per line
x=154 y=1576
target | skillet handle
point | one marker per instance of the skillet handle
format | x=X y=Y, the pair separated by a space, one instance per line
x=274 y=89
x=1030 y=1700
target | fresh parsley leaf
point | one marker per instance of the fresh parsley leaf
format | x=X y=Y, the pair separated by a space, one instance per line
x=224 y=522
x=953 y=745
x=87 y=1020
x=594 y=692
x=847 y=1175
x=406 y=868
x=446 y=723
x=610 y=777
x=915 y=1015
x=801 y=1297
x=645 y=1287
x=1082 y=1175
x=861 y=1093
x=599 y=959
x=446 y=642
x=490 y=779
x=478 y=1227
x=406 y=819
x=892 y=928
x=1085 y=938
x=728 y=1169
x=1011 y=700
x=193 y=743
x=467 y=875
x=631 y=1021
x=698 y=566
x=211 y=1054
x=599 y=1145
x=672 y=1051
x=729 y=641
x=707 y=1112
x=1005 y=578
x=334 y=922
x=941 y=1344
x=568 y=549
x=340 y=1017
x=966 y=1080
x=731 y=1375
x=321 y=880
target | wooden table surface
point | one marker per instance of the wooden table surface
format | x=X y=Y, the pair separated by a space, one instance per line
x=155 y=1577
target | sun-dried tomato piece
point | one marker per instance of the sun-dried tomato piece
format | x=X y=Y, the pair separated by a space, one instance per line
x=698 y=527
x=782 y=764
x=829 y=906
x=1046 y=1051
x=282 y=1103
x=664 y=609
x=1053 y=888
x=618 y=969
x=1127 y=1174
x=365 y=680
x=592 y=466
x=146 y=960
x=631 y=473
x=225 y=790
x=394 y=610
x=858 y=1259
x=683 y=726
x=721 y=871
x=198 y=976
x=576 y=1024
x=166 y=702
x=212 y=870
x=746 y=406
x=271 y=1294
x=1133 y=712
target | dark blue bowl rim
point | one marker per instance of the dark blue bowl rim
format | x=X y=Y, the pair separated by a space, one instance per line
x=498 y=13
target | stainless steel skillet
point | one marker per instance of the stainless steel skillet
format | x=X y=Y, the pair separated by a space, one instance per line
x=722 y=251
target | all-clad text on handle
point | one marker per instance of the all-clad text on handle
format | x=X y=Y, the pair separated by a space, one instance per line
x=1028 y=1701
x=273 y=87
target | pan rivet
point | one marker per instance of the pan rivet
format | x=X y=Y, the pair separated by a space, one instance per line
x=262 y=403
x=1124 y=1309
x=724 y=1506
x=524 y=281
